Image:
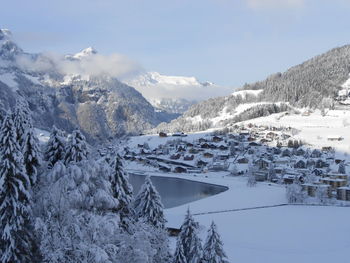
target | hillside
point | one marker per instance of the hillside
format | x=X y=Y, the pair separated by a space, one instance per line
x=307 y=84
x=314 y=84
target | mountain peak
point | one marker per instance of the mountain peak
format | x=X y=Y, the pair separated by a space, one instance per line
x=85 y=53
x=5 y=34
x=8 y=48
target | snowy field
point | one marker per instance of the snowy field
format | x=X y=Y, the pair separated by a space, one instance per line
x=293 y=234
x=288 y=234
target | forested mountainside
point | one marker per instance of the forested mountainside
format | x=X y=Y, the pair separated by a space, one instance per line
x=100 y=105
x=307 y=84
x=314 y=83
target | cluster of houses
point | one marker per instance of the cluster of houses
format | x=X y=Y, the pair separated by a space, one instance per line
x=269 y=153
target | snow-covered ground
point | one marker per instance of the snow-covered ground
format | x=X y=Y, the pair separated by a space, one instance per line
x=315 y=129
x=294 y=234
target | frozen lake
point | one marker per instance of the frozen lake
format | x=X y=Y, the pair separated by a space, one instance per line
x=177 y=191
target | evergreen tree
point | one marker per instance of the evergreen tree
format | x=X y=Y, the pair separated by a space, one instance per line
x=31 y=155
x=77 y=148
x=16 y=239
x=22 y=120
x=179 y=256
x=190 y=241
x=74 y=223
x=55 y=149
x=148 y=205
x=341 y=168
x=213 y=247
x=122 y=191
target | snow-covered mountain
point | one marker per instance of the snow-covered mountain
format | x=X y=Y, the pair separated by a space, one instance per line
x=174 y=94
x=87 y=52
x=320 y=82
x=100 y=105
x=172 y=105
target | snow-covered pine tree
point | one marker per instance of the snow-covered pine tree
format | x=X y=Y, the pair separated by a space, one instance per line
x=190 y=240
x=122 y=191
x=77 y=148
x=341 y=168
x=31 y=155
x=55 y=149
x=179 y=256
x=213 y=251
x=148 y=205
x=22 y=120
x=75 y=223
x=16 y=238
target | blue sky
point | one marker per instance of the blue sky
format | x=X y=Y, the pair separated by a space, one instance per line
x=229 y=42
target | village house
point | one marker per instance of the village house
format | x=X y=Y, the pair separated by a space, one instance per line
x=188 y=157
x=193 y=151
x=260 y=175
x=201 y=163
x=175 y=156
x=262 y=163
x=321 y=164
x=286 y=153
x=334 y=183
x=254 y=144
x=242 y=160
x=300 y=164
x=163 y=134
x=219 y=166
x=208 y=155
x=300 y=152
x=217 y=139
x=316 y=154
x=343 y=193
x=311 y=189
x=179 y=169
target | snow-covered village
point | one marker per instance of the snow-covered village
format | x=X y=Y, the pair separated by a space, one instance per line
x=175 y=131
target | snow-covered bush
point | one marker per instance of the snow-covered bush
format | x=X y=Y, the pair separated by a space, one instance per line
x=295 y=194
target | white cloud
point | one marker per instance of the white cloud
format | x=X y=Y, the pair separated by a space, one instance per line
x=257 y=4
x=114 y=65
x=176 y=87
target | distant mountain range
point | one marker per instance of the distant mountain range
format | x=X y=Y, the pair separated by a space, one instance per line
x=174 y=94
x=100 y=105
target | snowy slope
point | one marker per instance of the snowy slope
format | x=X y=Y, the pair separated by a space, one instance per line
x=315 y=129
